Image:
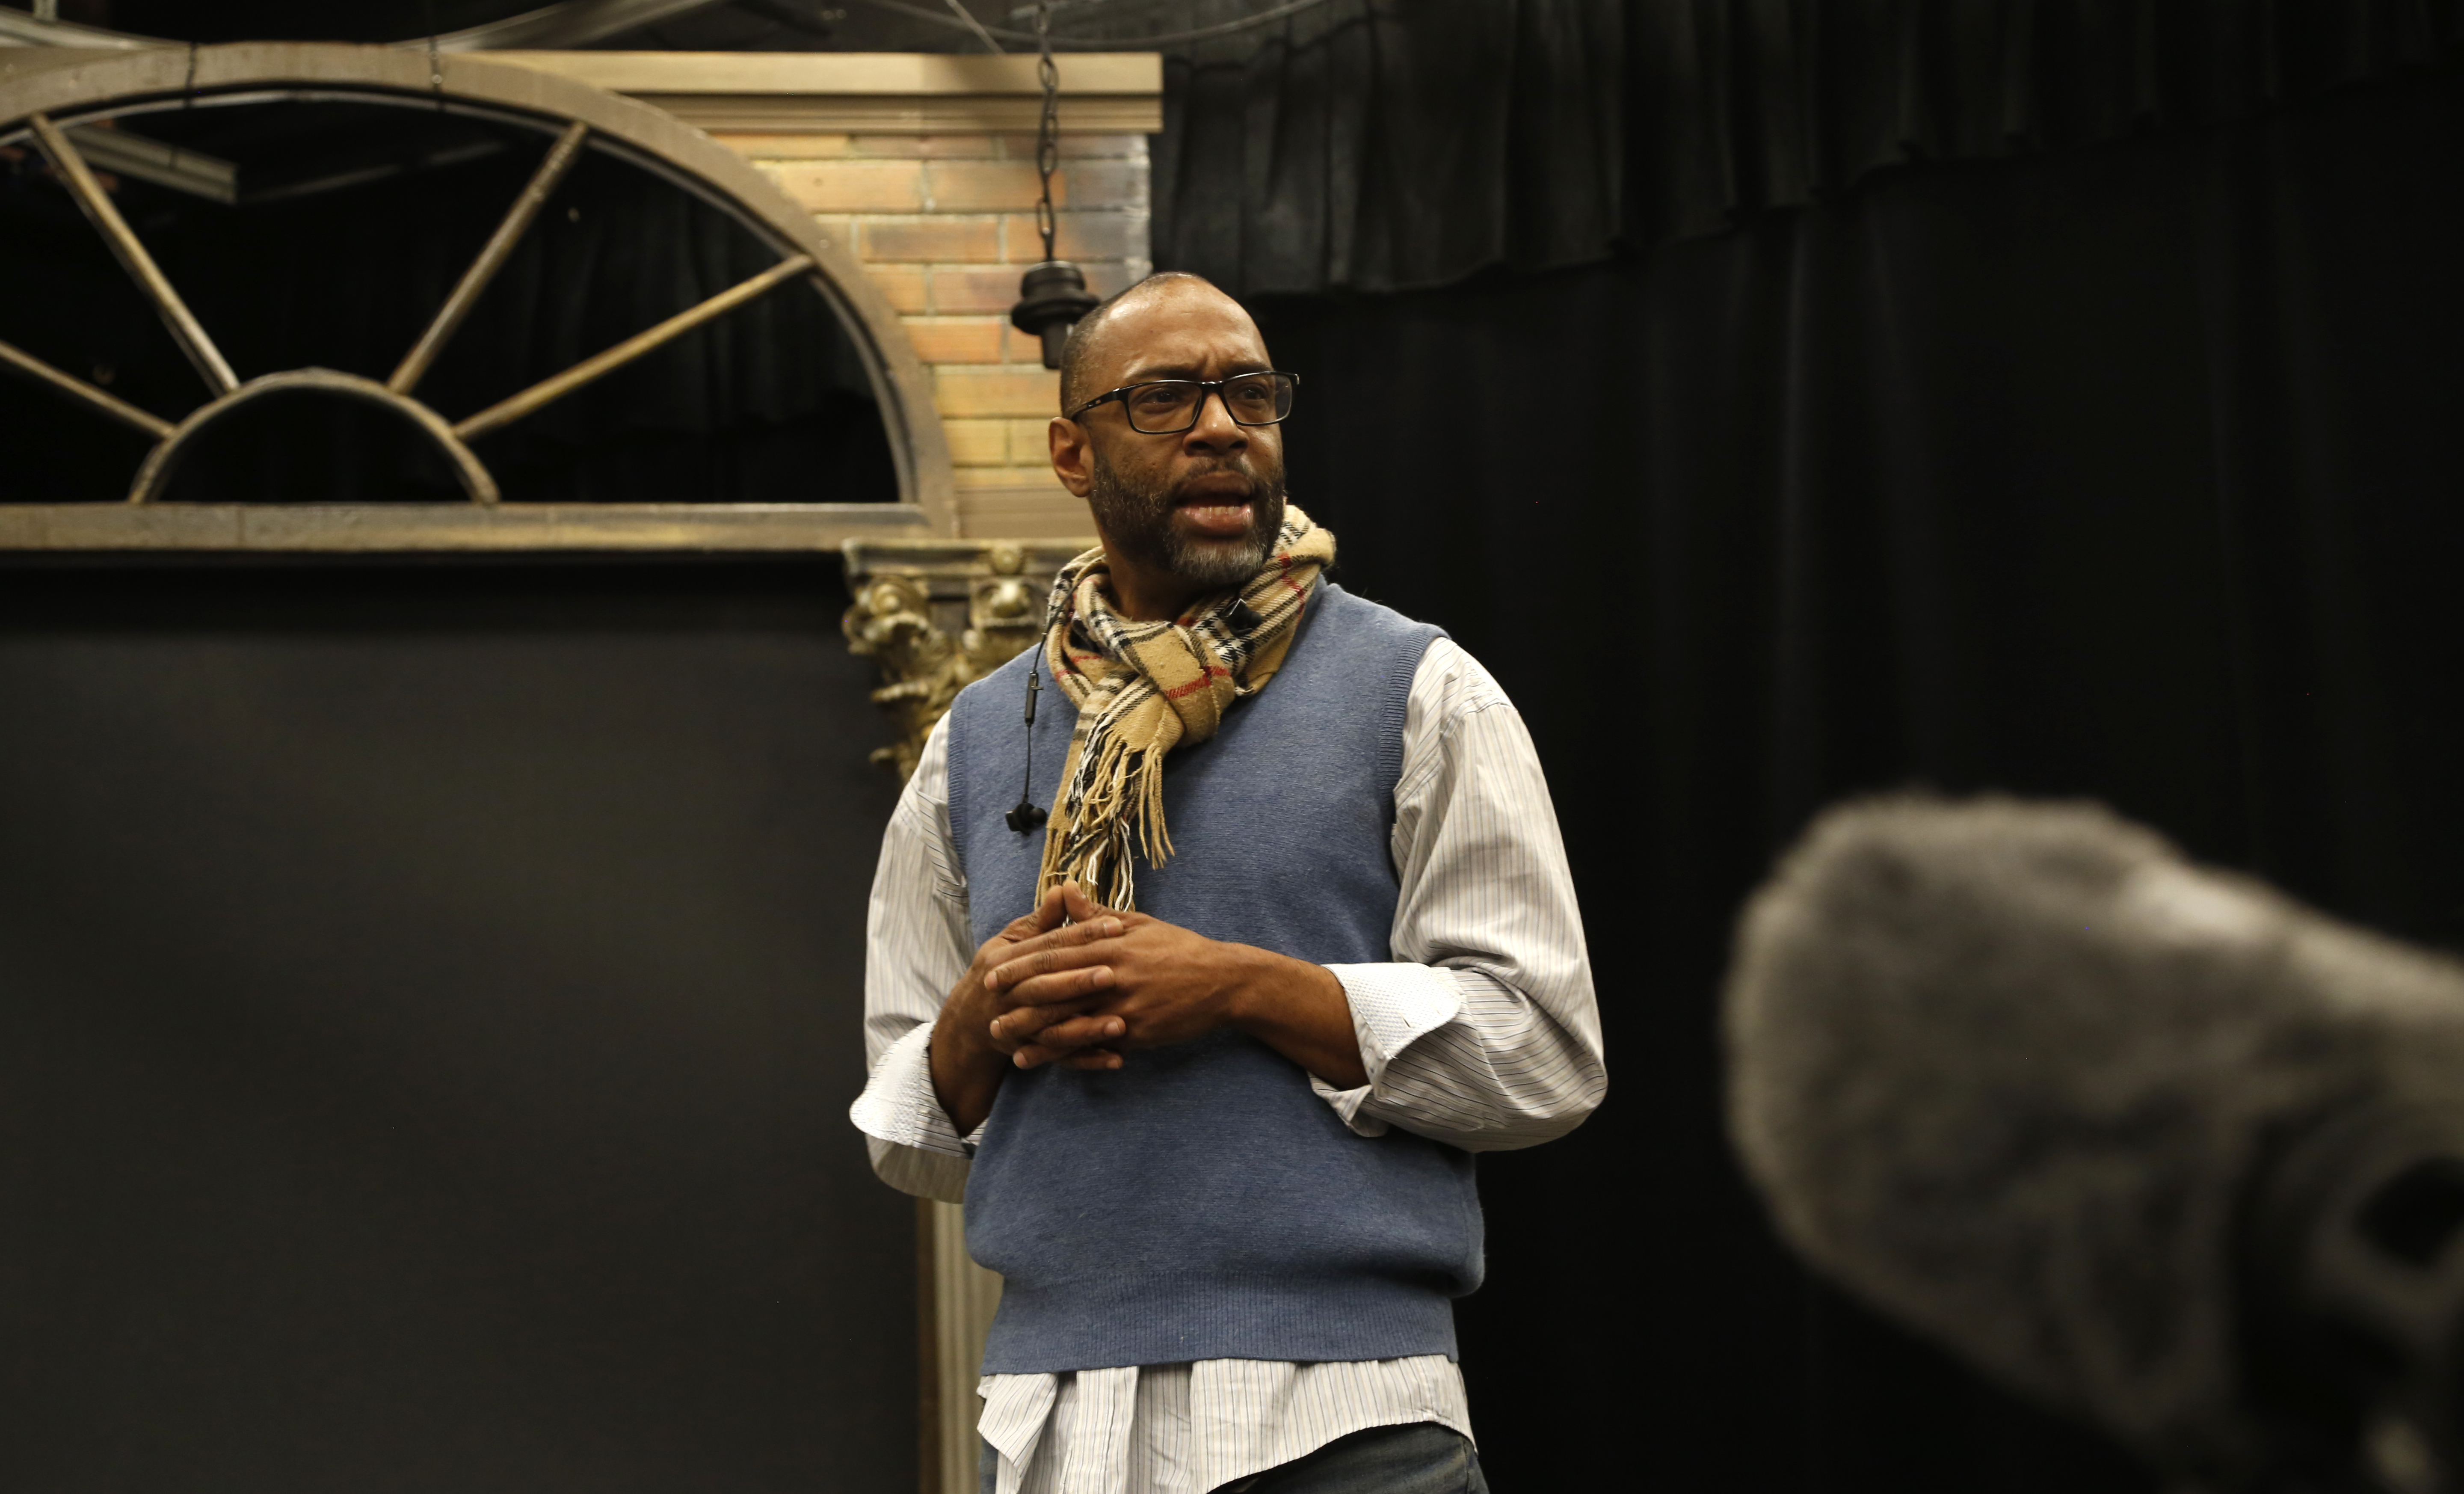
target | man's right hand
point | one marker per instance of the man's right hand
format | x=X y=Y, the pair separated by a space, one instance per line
x=976 y=1042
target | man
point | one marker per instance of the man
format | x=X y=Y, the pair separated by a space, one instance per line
x=1207 y=1052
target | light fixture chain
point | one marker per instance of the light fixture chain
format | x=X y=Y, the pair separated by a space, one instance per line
x=435 y=69
x=1047 y=136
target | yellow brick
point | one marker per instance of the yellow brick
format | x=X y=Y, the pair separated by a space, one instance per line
x=930 y=147
x=986 y=186
x=957 y=340
x=923 y=239
x=1017 y=348
x=978 y=443
x=1073 y=147
x=958 y=291
x=1042 y=510
x=1101 y=183
x=996 y=391
x=903 y=284
x=781 y=147
x=1108 y=279
x=854 y=185
x=1030 y=441
x=1082 y=236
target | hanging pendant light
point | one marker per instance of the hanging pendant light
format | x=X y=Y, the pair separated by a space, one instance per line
x=1053 y=295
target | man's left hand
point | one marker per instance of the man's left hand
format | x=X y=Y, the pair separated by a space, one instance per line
x=1171 y=985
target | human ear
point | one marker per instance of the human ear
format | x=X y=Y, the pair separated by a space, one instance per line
x=1072 y=459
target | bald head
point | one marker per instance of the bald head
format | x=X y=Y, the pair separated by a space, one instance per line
x=1184 y=512
x=1104 y=340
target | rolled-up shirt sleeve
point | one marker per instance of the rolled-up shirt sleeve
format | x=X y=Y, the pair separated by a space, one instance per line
x=917 y=945
x=1484 y=1031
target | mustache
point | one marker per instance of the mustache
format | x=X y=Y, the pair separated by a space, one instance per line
x=1178 y=492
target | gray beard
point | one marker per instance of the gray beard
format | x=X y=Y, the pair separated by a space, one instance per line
x=1140 y=525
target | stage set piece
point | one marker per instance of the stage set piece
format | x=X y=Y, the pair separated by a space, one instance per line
x=941 y=591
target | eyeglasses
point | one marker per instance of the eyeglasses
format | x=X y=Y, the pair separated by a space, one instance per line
x=1169 y=407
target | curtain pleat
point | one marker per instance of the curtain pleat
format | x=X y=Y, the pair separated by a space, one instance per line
x=1391 y=144
x=2124 y=474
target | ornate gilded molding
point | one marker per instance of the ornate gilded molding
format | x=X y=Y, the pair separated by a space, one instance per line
x=938 y=615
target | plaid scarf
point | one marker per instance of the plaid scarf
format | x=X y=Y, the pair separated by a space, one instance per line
x=1142 y=689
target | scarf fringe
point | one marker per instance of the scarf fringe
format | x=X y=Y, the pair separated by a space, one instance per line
x=1109 y=808
x=1125 y=790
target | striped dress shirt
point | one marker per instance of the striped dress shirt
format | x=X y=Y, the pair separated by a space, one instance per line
x=1481 y=1033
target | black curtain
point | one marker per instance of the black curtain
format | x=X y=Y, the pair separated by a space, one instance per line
x=2125 y=472
x=1388 y=144
x=429 y=1010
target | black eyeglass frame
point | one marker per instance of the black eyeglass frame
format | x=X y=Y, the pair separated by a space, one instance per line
x=1207 y=388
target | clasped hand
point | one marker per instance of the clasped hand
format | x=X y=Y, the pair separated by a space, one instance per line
x=1109 y=981
x=1080 y=985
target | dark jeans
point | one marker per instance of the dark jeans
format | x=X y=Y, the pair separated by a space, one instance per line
x=1423 y=1458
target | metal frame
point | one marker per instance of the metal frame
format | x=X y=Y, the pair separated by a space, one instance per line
x=1197 y=411
x=68 y=88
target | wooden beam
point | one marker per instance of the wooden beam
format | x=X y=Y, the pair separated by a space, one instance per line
x=78 y=389
x=499 y=248
x=132 y=255
x=1111 y=93
x=551 y=389
x=412 y=528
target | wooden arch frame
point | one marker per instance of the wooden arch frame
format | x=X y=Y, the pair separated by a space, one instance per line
x=468 y=471
x=42 y=90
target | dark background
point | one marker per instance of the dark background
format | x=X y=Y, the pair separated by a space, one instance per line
x=2126 y=471
x=430 y=1014
x=1788 y=401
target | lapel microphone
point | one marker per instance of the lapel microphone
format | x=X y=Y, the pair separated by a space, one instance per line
x=1026 y=816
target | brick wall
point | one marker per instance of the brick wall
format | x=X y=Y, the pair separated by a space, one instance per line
x=944 y=225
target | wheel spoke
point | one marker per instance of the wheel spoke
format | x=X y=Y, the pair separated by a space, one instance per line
x=133 y=259
x=499 y=248
x=77 y=389
x=167 y=455
x=550 y=389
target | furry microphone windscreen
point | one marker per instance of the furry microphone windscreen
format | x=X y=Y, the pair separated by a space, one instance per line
x=2007 y=1071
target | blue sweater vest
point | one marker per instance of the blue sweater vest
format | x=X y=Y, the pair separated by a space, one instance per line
x=1201 y=1201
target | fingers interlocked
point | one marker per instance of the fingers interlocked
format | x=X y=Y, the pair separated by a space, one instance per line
x=1043 y=985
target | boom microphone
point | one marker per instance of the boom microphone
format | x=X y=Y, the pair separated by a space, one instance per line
x=2150 y=1143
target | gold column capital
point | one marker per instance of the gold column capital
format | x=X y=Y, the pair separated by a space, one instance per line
x=938 y=615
